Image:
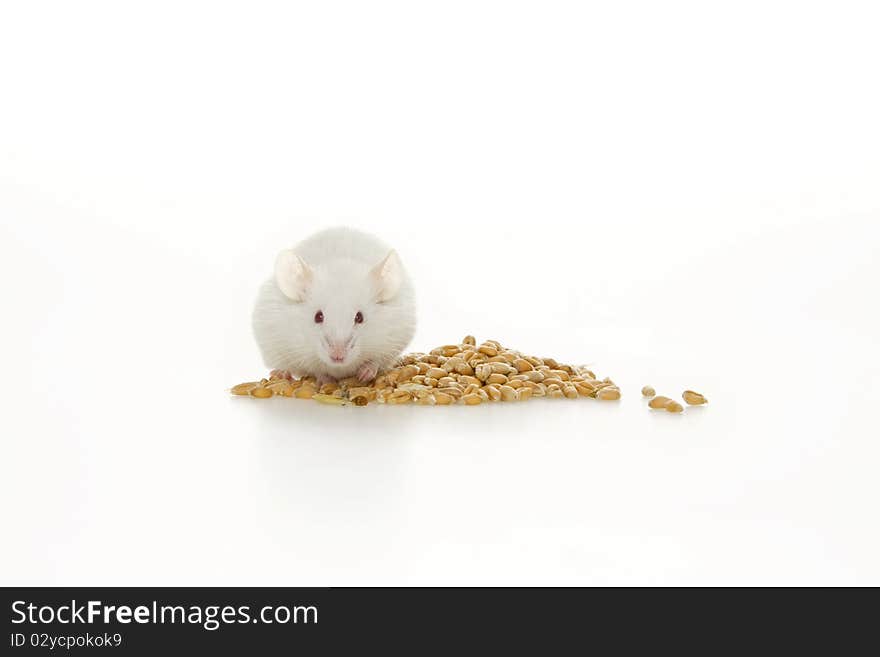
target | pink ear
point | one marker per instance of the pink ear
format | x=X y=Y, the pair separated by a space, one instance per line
x=388 y=275
x=292 y=275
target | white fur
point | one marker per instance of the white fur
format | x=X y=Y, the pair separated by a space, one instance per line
x=339 y=272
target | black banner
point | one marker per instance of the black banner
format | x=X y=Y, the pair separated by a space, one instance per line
x=171 y=620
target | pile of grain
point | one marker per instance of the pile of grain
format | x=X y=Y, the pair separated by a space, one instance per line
x=464 y=373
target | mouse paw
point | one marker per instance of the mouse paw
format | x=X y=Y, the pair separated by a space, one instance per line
x=323 y=379
x=367 y=372
x=280 y=374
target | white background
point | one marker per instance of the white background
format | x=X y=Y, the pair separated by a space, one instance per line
x=683 y=194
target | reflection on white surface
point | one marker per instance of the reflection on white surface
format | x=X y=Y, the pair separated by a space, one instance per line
x=190 y=485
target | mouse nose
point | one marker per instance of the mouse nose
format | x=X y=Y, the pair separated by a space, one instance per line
x=338 y=350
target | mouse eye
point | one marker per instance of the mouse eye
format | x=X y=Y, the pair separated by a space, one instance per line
x=319 y=317
x=359 y=318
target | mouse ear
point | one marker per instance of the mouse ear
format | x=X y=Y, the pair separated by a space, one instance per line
x=388 y=275
x=292 y=275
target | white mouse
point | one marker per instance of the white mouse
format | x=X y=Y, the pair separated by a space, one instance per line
x=339 y=305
